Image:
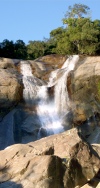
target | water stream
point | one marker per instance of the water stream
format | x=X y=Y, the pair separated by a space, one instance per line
x=62 y=101
x=49 y=111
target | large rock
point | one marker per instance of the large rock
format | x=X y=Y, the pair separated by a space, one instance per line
x=96 y=147
x=33 y=171
x=43 y=66
x=85 y=88
x=58 y=161
x=8 y=63
x=10 y=85
x=98 y=186
x=84 y=92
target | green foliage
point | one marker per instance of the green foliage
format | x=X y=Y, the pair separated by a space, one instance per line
x=63 y=44
x=7 y=49
x=83 y=33
x=35 y=49
x=10 y=50
x=20 y=50
x=50 y=46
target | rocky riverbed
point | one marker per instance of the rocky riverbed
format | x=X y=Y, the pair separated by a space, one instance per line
x=70 y=159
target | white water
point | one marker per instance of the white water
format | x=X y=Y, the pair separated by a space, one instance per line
x=62 y=101
x=28 y=92
x=46 y=112
x=31 y=90
x=49 y=112
x=48 y=116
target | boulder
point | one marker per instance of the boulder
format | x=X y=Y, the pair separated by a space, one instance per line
x=11 y=87
x=43 y=66
x=98 y=186
x=57 y=161
x=87 y=186
x=84 y=91
x=8 y=63
x=96 y=147
x=33 y=171
x=85 y=88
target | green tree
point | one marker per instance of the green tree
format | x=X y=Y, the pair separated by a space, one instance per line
x=61 y=38
x=35 y=49
x=50 y=46
x=83 y=33
x=56 y=35
x=20 y=51
x=7 y=49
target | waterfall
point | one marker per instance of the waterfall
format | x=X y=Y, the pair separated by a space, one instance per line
x=59 y=78
x=33 y=93
x=50 y=121
x=49 y=111
x=28 y=92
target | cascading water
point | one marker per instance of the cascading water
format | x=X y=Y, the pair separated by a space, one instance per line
x=30 y=83
x=59 y=77
x=49 y=120
x=49 y=112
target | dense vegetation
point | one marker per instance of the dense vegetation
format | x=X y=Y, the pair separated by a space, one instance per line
x=80 y=35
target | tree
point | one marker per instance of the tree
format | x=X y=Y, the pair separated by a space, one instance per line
x=56 y=35
x=83 y=33
x=20 y=50
x=61 y=38
x=35 y=49
x=7 y=49
x=77 y=11
x=50 y=46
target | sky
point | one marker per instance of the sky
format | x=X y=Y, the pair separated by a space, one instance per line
x=35 y=19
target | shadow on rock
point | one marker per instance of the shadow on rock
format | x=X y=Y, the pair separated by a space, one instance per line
x=10 y=184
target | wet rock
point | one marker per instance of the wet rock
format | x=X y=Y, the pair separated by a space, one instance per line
x=43 y=66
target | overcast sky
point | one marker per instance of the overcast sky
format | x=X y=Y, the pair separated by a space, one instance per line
x=34 y=19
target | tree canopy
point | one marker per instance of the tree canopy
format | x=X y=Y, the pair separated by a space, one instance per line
x=77 y=11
